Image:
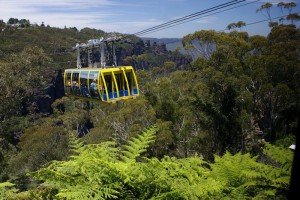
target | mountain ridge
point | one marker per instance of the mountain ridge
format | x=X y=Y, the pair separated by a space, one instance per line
x=171 y=43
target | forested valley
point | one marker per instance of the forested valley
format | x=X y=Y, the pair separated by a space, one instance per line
x=216 y=123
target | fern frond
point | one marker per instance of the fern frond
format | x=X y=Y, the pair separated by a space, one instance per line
x=138 y=145
x=7 y=190
x=92 y=174
x=6 y=184
x=105 y=150
x=89 y=192
x=75 y=144
x=280 y=155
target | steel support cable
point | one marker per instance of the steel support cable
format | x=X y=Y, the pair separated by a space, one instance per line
x=190 y=16
x=182 y=19
x=191 y=20
x=200 y=17
x=265 y=20
x=247 y=24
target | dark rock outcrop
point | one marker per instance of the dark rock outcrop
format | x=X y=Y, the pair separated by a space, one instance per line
x=53 y=91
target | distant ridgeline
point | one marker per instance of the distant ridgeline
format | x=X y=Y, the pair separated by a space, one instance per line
x=171 y=44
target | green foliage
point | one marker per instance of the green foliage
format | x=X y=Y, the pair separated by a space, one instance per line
x=164 y=140
x=2 y=24
x=23 y=75
x=281 y=155
x=239 y=90
x=96 y=172
x=240 y=74
x=138 y=145
x=168 y=61
x=173 y=178
x=243 y=176
x=7 y=190
x=121 y=121
x=7 y=151
x=39 y=145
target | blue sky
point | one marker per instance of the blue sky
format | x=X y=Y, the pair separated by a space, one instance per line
x=131 y=16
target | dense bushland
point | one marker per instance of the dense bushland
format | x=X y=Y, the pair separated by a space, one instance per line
x=218 y=127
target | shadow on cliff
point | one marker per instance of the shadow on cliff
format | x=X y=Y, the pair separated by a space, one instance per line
x=53 y=91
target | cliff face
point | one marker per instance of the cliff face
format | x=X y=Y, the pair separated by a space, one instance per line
x=53 y=91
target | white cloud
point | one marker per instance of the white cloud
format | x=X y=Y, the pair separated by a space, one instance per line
x=59 y=13
x=99 y=14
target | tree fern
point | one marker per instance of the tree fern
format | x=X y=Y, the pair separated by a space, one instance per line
x=96 y=171
x=138 y=145
x=91 y=174
x=103 y=171
x=173 y=178
x=243 y=177
x=234 y=171
x=7 y=190
x=283 y=156
x=75 y=144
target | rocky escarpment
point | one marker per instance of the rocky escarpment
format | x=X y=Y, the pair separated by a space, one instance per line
x=53 y=91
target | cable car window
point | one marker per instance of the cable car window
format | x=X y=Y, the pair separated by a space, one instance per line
x=84 y=83
x=68 y=78
x=125 y=84
x=93 y=80
x=68 y=82
x=75 y=83
x=128 y=75
x=75 y=78
x=132 y=84
x=120 y=82
x=101 y=87
x=111 y=88
x=108 y=82
x=135 y=90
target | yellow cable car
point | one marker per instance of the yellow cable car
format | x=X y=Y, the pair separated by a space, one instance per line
x=107 y=85
x=94 y=80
